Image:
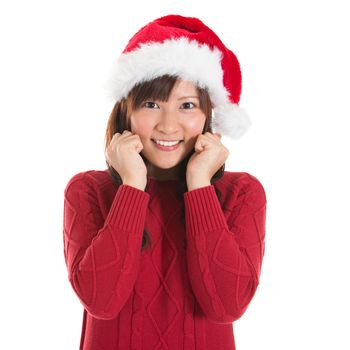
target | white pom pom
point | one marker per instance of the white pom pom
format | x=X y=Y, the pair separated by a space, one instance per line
x=231 y=120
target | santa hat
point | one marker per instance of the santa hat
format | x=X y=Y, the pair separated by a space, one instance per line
x=186 y=47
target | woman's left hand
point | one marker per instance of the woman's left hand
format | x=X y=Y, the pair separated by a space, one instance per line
x=210 y=154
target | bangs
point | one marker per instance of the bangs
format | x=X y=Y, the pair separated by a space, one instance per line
x=160 y=89
x=156 y=89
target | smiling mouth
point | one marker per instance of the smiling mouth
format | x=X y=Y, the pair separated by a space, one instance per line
x=166 y=141
x=169 y=148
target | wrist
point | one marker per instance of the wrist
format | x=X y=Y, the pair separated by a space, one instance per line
x=136 y=184
x=197 y=182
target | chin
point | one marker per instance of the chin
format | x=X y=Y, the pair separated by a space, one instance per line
x=164 y=166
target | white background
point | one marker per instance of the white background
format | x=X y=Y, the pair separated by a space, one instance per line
x=295 y=59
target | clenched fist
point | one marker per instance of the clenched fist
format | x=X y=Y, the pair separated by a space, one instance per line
x=123 y=155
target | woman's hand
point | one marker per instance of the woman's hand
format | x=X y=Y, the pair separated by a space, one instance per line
x=210 y=154
x=123 y=155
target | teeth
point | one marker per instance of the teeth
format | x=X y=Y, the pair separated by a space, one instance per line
x=166 y=143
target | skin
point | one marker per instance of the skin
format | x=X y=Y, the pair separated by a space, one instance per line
x=179 y=118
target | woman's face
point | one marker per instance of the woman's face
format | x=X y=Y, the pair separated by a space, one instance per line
x=180 y=118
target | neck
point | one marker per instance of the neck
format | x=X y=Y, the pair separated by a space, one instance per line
x=164 y=174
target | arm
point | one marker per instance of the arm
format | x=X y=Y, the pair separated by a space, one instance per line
x=225 y=256
x=102 y=256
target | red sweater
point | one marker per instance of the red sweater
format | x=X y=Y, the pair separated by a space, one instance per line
x=185 y=290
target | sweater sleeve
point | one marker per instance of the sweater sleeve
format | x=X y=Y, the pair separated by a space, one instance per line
x=102 y=256
x=224 y=257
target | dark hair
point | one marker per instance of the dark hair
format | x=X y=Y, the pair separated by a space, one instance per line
x=156 y=89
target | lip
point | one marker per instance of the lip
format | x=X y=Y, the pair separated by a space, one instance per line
x=167 y=148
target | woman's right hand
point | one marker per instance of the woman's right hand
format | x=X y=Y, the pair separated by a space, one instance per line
x=123 y=155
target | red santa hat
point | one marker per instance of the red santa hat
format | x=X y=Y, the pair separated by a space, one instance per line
x=187 y=48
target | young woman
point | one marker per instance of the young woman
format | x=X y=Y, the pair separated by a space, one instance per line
x=164 y=248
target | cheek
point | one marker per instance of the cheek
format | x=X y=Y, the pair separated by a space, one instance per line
x=195 y=126
x=139 y=125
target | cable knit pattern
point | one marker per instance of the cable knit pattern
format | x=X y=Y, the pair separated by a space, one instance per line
x=188 y=326
x=137 y=315
x=208 y=278
x=102 y=262
x=183 y=292
x=216 y=252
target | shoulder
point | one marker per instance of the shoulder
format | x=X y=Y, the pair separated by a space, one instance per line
x=243 y=181
x=241 y=187
x=89 y=179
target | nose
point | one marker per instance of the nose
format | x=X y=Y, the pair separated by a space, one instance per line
x=168 y=123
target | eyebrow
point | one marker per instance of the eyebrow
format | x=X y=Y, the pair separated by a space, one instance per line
x=181 y=98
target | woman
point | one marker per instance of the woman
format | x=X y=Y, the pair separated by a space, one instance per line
x=164 y=248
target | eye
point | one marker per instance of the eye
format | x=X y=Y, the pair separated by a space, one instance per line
x=186 y=104
x=149 y=104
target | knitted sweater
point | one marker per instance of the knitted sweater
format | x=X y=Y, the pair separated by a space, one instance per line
x=185 y=290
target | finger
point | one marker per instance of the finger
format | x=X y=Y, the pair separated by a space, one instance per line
x=134 y=139
x=200 y=143
x=218 y=135
x=124 y=133
x=211 y=138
